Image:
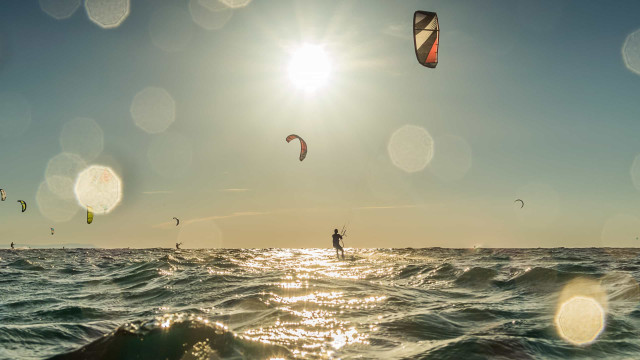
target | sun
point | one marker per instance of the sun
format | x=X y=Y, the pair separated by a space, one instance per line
x=310 y=67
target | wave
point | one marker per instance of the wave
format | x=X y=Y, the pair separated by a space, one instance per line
x=23 y=264
x=165 y=339
x=302 y=303
x=538 y=279
x=413 y=270
x=579 y=268
x=70 y=313
x=476 y=277
x=421 y=326
x=499 y=349
x=444 y=271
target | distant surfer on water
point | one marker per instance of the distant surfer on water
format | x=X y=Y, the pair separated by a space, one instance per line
x=178 y=246
x=336 y=243
x=12 y=245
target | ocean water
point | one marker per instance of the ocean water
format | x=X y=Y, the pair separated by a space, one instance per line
x=303 y=303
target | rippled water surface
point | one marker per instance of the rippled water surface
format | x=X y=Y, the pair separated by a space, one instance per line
x=303 y=303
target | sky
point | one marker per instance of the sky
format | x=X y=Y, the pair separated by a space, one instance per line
x=189 y=104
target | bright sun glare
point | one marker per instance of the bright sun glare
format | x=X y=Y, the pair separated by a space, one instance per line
x=309 y=67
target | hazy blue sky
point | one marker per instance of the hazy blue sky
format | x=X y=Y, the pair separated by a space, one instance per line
x=529 y=100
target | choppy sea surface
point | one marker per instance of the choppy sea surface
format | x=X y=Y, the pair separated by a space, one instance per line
x=303 y=303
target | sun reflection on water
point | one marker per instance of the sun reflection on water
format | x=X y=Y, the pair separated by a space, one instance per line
x=292 y=285
x=317 y=326
x=310 y=317
x=303 y=300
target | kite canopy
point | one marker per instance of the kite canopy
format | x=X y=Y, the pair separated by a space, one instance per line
x=177 y=221
x=3 y=194
x=89 y=214
x=23 y=204
x=522 y=203
x=426 y=36
x=303 y=145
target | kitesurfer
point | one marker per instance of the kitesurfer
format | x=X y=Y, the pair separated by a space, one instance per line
x=336 y=243
x=12 y=245
x=178 y=246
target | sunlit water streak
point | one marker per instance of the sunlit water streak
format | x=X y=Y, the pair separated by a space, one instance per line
x=295 y=303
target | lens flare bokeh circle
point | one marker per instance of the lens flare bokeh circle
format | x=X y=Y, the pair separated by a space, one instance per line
x=580 y=320
x=99 y=187
x=411 y=148
x=581 y=313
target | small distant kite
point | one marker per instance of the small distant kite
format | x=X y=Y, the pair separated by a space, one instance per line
x=23 y=204
x=3 y=194
x=52 y=231
x=89 y=214
x=522 y=203
x=177 y=221
x=303 y=145
x=426 y=37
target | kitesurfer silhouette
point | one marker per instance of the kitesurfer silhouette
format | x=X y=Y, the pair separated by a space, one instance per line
x=336 y=243
x=178 y=246
x=12 y=245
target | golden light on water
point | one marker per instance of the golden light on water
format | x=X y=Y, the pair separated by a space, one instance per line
x=581 y=314
x=311 y=320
